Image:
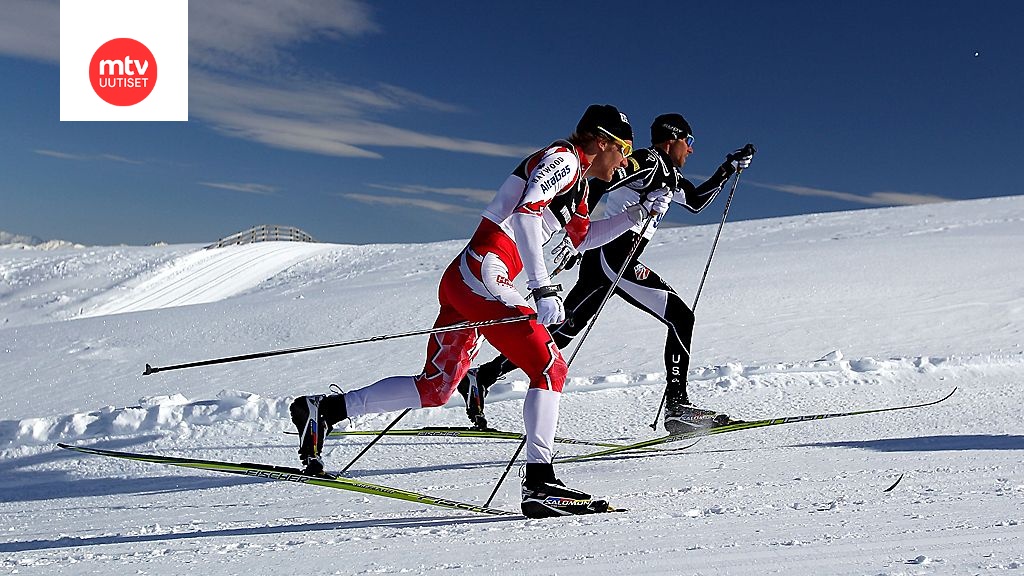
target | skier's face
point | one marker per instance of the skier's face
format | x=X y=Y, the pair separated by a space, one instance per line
x=678 y=150
x=612 y=155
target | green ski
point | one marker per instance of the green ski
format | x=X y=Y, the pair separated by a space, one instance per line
x=285 y=474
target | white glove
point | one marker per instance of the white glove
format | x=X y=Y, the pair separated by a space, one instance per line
x=565 y=255
x=656 y=204
x=550 y=309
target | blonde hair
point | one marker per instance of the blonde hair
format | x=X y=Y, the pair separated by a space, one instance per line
x=583 y=139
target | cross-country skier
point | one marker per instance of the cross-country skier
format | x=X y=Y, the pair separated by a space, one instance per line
x=650 y=170
x=546 y=193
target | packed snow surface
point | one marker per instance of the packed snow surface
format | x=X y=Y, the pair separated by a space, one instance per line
x=800 y=315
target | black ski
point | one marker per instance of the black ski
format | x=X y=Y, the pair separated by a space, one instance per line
x=737 y=425
x=286 y=474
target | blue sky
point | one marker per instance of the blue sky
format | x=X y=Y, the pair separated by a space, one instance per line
x=396 y=121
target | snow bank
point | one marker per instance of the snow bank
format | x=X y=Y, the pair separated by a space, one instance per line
x=161 y=414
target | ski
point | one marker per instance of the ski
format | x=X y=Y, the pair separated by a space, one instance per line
x=466 y=432
x=736 y=425
x=285 y=474
x=646 y=452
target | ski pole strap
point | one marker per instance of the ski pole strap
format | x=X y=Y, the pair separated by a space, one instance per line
x=545 y=291
x=451 y=328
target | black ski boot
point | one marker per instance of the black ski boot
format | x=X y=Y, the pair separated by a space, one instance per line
x=473 y=388
x=545 y=496
x=684 y=418
x=314 y=418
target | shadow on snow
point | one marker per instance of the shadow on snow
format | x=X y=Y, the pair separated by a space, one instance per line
x=74 y=541
x=930 y=443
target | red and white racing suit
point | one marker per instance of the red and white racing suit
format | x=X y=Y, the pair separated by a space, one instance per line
x=546 y=193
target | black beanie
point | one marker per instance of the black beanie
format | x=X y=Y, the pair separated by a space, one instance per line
x=605 y=116
x=669 y=127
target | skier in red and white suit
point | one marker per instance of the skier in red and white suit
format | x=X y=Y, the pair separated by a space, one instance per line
x=546 y=193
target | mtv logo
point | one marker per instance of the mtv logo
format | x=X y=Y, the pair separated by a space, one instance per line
x=124 y=60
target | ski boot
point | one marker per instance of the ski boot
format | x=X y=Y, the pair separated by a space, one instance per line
x=473 y=394
x=545 y=496
x=473 y=388
x=310 y=415
x=686 y=418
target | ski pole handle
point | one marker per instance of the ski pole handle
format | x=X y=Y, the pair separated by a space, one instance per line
x=747 y=150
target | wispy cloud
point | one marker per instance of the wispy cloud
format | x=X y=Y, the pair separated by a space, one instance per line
x=905 y=199
x=448 y=200
x=479 y=195
x=246 y=82
x=121 y=159
x=246 y=187
x=872 y=199
x=61 y=155
x=87 y=157
x=31 y=29
x=228 y=34
x=322 y=117
x=405 y=201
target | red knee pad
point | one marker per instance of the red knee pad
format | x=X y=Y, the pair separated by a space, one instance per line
x=558 y=372
x=433 y=391
x=552 y=375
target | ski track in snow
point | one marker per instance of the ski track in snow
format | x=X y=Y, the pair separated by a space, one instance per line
x=208 y=276
x=921 y=299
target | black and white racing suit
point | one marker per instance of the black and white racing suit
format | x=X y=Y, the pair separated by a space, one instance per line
x=649 y=169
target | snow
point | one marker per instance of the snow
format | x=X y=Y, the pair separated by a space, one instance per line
x=11 y=241
x=806 y=314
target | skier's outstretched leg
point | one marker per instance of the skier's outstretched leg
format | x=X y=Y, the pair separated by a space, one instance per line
x=581 y=305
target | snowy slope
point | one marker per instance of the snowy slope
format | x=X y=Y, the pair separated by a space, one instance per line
x=804 y=314
x=207 y=276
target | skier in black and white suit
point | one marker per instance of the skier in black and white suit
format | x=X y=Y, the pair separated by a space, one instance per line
x=649 y=169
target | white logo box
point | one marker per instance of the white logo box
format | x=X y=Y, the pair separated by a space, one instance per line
x=161 y=25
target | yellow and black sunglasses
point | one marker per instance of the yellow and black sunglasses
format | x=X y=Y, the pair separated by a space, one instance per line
x=626 y=147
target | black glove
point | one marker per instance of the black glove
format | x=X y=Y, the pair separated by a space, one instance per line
x=739 y=159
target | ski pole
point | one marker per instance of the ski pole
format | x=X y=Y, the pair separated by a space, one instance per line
x=505 y=473
x=714 y=245
x=607 y=295
x=437 y=330
x=374 y=441
x=725 y=214
x=611 y=289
